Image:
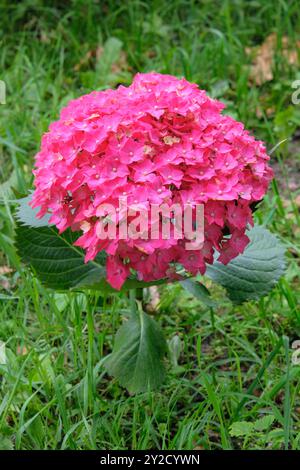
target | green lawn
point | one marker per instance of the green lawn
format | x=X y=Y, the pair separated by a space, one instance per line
x=232 y=365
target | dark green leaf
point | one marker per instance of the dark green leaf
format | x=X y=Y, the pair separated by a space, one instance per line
x=57 y=263
x=136 y=360
x=60 y=265
x=253 y=274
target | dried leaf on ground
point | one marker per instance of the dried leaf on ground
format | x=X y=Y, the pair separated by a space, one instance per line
x=297 y=201
x=5 y=284
x=86 y=59
x=5 y=270
x=4 y=281
x=22 y=350
x=261 y=70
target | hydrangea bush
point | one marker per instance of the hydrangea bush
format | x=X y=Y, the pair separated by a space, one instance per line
x=161 y=140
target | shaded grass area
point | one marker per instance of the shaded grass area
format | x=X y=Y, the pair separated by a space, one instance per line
x=234 y=363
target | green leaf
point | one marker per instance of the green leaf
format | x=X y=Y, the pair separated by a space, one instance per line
x=264 y=423
x=55 y=260
x=199 y=291
x=253 y=274
x=241 y=428
x=60 y=265
x=27 y=216
x=136 y=360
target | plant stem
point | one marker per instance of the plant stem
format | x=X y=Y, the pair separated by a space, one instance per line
x=139 y=294
x=132 y=298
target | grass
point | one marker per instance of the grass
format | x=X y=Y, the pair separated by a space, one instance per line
x=234 y=367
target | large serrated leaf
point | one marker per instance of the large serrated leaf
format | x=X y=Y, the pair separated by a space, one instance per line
x=60 y=265
x=253 y=274
x=25 y=215
x=136 y=360
x=57 y=263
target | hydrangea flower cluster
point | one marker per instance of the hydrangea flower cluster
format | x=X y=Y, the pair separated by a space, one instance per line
x=161 y=139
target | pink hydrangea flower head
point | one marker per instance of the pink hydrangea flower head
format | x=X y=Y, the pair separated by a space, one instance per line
x=160 y=140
